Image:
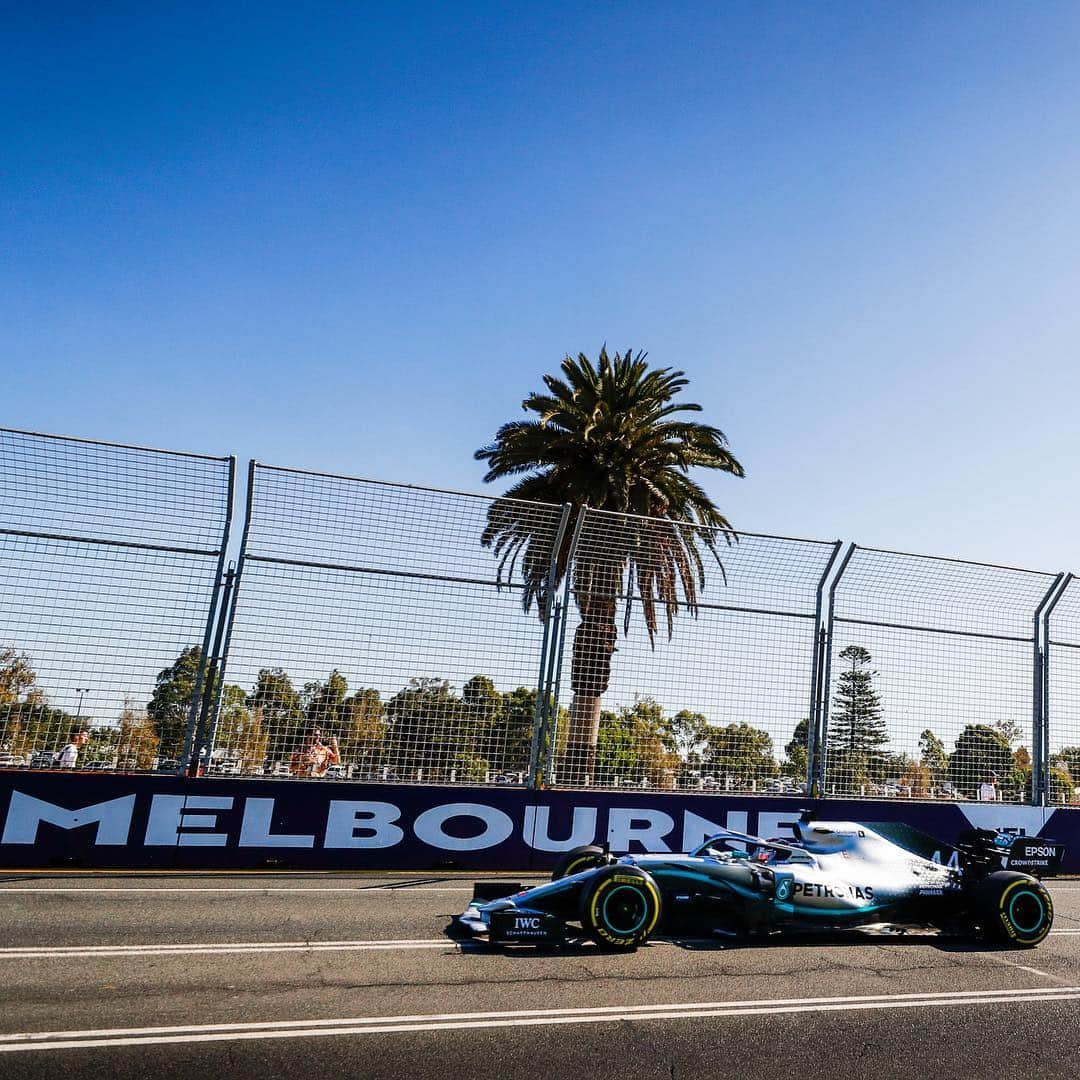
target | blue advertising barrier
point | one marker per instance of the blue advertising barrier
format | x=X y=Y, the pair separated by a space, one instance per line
x=105 y=821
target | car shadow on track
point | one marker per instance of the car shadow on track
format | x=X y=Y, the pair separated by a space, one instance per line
x=582 y=946
x=944 y=942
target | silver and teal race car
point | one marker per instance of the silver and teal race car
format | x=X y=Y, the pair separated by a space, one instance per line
x=830 y=876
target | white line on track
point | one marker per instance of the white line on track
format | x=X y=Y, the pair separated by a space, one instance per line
x=373 y=1025
x=166 y=890
x=111 y=952
x=105 y=952
x=351 y=890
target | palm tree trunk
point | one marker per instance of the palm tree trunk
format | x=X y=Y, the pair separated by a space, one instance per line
x=594 y=646
x=579 y=765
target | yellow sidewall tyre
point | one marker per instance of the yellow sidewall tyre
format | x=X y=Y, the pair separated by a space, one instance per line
x=1014 y=909
x=620 y=907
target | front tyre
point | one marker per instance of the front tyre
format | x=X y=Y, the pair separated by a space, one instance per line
x=577 y=859
x=1014 y=909
x=620 y=907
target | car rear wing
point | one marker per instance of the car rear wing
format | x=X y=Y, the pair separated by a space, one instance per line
x=986 y=850
x=1034 y=855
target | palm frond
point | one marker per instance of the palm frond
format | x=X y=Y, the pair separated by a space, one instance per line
x=611 y=435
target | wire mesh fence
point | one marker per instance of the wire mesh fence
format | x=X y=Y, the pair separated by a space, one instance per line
x=689 y=655
x=384 y=632
x=931 y=678
x=110 y=557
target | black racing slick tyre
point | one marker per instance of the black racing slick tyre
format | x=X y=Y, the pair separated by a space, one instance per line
x=1014 y=909
x=620 y=907
x=577 y=859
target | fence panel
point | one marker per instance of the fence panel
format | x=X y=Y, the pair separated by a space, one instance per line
x=379 y=633
x=932 y=672
x=413 y=627
x=717 y=698
x=1063 y=697
x=110 y=558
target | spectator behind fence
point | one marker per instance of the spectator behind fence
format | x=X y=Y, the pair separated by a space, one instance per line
x=316 y=758
x=988 y=788
x=69 y=755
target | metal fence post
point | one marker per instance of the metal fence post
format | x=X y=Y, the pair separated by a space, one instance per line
x=551 y=706
x=237 y=576
x=549 y=601
x=195 y=709
x=212 y=693
x=817 y=787
x=1041 y=788
x=543 y=729
x=817 y=672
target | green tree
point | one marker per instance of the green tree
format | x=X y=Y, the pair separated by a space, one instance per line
x=482 y=712
x=742 y=752
x=609 y=436
x=689 y=734
x=933 y=756
x=635 y=746
x=508 y=738
x=980 y=750
x=1008 y=729
x=363 y=730
x=426 y=730
x=1068 y=759
x=323 y=701
x=170 y=705
x=616 y=755
x=241 y=730
x=797 y=751
x=280 y=709
x=857 y=730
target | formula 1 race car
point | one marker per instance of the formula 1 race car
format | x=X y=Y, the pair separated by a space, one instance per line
x=832 y=875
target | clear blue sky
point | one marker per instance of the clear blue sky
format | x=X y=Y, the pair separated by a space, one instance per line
x=352 y=237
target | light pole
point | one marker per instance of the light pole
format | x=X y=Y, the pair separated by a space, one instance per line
x=82 y=691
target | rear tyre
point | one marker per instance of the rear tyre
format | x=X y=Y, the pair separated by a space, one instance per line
x=1014 y=909
x=620 y=907
x=577 y=859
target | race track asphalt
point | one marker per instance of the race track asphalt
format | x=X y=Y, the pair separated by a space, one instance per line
x=323 y=976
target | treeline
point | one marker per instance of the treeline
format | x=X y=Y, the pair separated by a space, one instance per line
x=28 y=723
x=428 y=730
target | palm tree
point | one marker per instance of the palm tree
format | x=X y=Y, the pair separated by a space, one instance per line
x=609 y=437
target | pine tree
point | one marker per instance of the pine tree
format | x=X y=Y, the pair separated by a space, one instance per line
x=856 y=728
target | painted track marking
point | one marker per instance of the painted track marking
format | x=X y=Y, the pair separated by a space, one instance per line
x=106 y=952
x=372 y=1025
x=214 y=948
x=168 y=890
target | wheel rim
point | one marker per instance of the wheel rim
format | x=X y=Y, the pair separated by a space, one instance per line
x=625 y=910
x=1027 y=912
